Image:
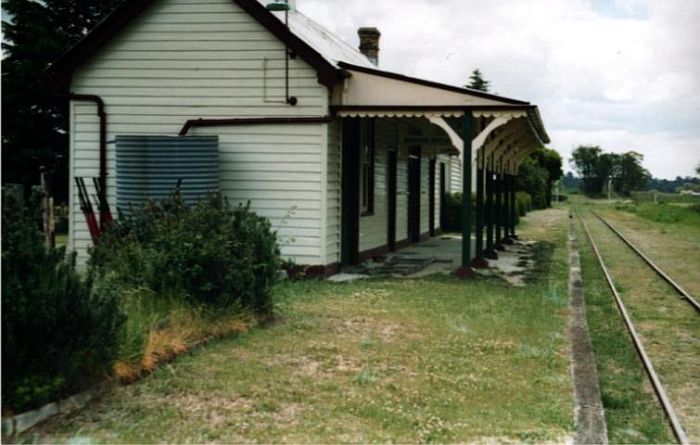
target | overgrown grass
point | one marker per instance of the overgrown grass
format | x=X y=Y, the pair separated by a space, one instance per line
x=160 y=327
x=631 y=411
x=640 y=197
x=665 y=213
x=434 y=359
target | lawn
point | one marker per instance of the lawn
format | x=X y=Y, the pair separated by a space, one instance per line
x=434 y=359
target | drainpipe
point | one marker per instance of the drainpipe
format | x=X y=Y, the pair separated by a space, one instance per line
x=97 y=100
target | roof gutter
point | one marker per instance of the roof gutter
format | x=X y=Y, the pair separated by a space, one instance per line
x=238 y=121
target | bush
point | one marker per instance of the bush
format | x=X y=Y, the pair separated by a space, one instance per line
x=524 y=202
x=211 y=253
x=58 y=334
x=454 y=212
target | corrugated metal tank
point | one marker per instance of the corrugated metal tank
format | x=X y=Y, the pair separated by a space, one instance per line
x=149 y=167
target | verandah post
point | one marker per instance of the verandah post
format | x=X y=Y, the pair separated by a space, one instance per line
x=467 y=188
x=498 y=211
x=489 y=252
x=478 y=260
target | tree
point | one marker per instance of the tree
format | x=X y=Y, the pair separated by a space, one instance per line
x=596 y=168
x=34 y=119
x=551 y=162
x=537 y=176
x=631 y=175
x=585 y=161
x=477 y=81
x=532 y=178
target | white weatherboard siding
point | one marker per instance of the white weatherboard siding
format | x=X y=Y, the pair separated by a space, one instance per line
x=186 y=59
x=455 y=167
x=333 y=196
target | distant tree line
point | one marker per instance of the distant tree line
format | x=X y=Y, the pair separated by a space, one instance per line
x=673 y=185
x=623 y=171
x=573 y=182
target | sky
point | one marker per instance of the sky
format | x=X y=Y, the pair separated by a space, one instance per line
x=620 y=74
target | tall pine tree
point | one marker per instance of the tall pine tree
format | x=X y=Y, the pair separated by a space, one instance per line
x=34 y=119
x=477 y=81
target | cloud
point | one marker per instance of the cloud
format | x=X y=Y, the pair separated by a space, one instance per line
x=621 y=72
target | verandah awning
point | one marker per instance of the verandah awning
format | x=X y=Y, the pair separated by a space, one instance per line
x=503 y=126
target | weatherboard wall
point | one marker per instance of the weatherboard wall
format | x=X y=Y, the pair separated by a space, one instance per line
x=186 y=59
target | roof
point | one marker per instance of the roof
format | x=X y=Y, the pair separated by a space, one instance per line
x=331 y=57
x=332 y=48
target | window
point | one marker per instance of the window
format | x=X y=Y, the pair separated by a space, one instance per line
x=367 y=166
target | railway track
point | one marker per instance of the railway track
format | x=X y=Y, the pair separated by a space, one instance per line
x=654 y=379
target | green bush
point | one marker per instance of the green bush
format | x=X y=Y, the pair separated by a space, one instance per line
x=524 y=202
x=58 y=333
x=211 y=253
x=454 y=212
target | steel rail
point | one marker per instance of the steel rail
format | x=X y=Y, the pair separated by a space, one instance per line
x=689 y=298
x=655 y=381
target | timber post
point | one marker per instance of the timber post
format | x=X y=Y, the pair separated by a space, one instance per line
x=489 y=253
x=479 y=261
x=466 y=271
x=499 y=211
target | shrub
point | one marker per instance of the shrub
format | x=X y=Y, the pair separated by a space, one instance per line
x=454 y=212
x=58 y=334
x=211 y=253
x=524 y=202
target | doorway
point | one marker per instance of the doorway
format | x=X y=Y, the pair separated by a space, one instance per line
x=414 y=161
x=391 y=199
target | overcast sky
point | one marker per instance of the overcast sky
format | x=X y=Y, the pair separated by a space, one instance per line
x=622 y=74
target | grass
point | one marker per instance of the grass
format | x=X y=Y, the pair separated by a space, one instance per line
x=631 y=412
x=640 y=197
x=434 y=359
x=665 y=212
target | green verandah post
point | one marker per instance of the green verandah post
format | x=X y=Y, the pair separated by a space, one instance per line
x=479 y=210
x=489 y=211
x=467 y=188
x=498 y=209
x=512 y=205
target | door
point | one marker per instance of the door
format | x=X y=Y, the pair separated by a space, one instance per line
x=431 y=196
x=350 y=193
x=443 y=181
x=391 y=199
x=414 y=194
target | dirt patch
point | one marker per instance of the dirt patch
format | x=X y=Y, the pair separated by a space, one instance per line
x=368 y=328
x=512 y=264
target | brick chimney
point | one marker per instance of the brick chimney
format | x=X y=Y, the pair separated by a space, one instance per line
x=369 y=43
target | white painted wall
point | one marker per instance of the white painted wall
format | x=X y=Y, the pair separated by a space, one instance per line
x=333 y=195
x=185 y=59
